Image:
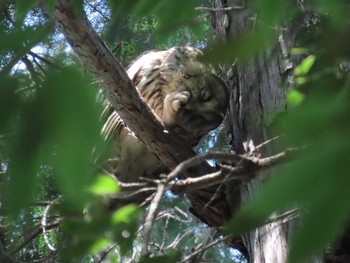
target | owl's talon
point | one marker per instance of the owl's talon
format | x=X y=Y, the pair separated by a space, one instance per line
x=180 y=99
x=176 y=105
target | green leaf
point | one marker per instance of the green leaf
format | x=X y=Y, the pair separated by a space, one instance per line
x=50 y=4
x=104 y=184
x=22 y=8
x=9 y=101
x=337 y=10
x=319 y=226
x=243 y=47
x=78 y=7
x=299 y=51
x=97 y=245
x=272 y=12
x=305 y=66
x=295 y=97
x=125 y=214
x=163 y=11
x=58 y=126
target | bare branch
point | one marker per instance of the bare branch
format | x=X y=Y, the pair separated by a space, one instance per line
x=147 y=226
x=48 y=27
x=34 y=235
x=243 y=167
x=203 y=8
x=285 y=217
x=31 y=69
x=201 y=250
x=106 y=253
x=246 y=170
x=44 y=223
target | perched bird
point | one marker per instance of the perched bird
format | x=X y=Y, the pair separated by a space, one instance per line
x=183 y=93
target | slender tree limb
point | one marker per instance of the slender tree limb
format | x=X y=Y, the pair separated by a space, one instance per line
x=201 y=250
x=44 y=223
x=41 y=34
x=34 y=75
x=34 y=235
x=243 y=168
x=147 y=226
x=229 y=8
x=106 y=253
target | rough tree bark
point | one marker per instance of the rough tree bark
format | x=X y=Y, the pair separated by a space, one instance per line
x=257 y=94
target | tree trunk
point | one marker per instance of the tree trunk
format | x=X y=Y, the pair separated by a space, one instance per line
x=256 y=96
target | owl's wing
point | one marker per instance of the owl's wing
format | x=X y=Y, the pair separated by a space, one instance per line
x=113 y=124
x=143 y=72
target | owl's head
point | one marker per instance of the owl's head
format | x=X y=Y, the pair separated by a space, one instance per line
x=198 y=106
x=185 y=95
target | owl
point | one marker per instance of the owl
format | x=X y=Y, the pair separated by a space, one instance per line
x=184 y=95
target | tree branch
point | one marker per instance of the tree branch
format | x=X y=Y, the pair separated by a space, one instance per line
x=118 y=88
x=242 y=167
x=147 y=226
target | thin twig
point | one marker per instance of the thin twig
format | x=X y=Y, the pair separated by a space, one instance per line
x=32 y=237
x=201 y=250
x=198 y=159
x=244 y=167
x=285 y=217
x=219 y=9
x=244 y=164
x=105 y=254
x=125 y=195
x=43 y=59
x=267 y=142
x=47 y=28
x=147 y=226
x=44 y=223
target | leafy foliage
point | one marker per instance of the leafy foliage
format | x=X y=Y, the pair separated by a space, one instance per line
x=49 y=129
x=316 y=178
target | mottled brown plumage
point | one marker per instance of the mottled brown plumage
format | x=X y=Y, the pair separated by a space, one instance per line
x=183 y=94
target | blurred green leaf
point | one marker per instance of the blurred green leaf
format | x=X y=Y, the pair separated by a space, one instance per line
x=78 y=6
x=337 y=10
x=22 y=8
x=169 y=21
x=50 y=4
x=272 y=12
x=60 y=124
x=298 y=51
x=321 y=224
x=125 y=214
x=305 y=65
x=104 y=184
x=98 y=245
x=295 y=97
x=9 y=101
x=243 y=48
